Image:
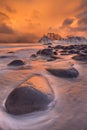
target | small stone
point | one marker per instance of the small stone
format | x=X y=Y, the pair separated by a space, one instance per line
x=16 y=63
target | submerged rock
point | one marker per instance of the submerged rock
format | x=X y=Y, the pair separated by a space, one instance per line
x=73 y=51
x=33 y=56
x=29 y=97
x=65 y=73
x=3 y=57
x=45 y=52
x=65 y=54
x=80 y=58
x=16 y=63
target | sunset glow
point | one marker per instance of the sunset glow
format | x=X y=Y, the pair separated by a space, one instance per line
x=35 y=18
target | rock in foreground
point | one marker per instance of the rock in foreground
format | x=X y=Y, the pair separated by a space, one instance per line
x=16 y=63
x=28 y=98
x=64 y=73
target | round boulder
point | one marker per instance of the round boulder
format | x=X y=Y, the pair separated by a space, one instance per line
x=64 y=73
x=33 y=56
x=29 y=98
x=16 y=63
x=25 y=100
x=45 y=52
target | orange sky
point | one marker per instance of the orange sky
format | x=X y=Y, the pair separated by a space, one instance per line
x=38 y=17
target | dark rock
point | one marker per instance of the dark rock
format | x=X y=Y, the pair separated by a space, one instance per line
x=3 y=57
x=45 y=52
x=65 y=53
x=64 y=73
x=29 y=97
x=80 y=58
x=55 y=53
x=10 y=52
x=58 y=47
x=73 y=51
x=39 y=52
x=25 y=100
x=53 y=58
x=33 y=56
x=50 y=47
x=48 y=43
x=16 y=63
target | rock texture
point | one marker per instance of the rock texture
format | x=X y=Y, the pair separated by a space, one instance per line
x=16 y=63
x=29 y=97
x=65 y=73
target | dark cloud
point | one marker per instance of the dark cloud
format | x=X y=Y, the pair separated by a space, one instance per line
x=81 y=24
x=9 y=9
x=83 y=5
x=6 y=29
x=36 y=14
x=67 y=22
x=24 y=38
x=82 y=15
x=5 y=5
x=3 y=17
x=8 y=35
x=18 y=38
x=82 y=19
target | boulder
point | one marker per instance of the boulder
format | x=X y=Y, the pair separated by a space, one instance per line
x=64 y=73
x=80 y=58
x=33 y=56
x=16 y=63
x=31 y=96
x=25 y=100
x=45 y=52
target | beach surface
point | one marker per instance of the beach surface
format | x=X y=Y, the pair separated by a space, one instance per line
x=68 y=109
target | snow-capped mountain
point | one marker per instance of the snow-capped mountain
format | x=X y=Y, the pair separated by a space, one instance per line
x=56 y=38
x=45 y=40
x=75 y=39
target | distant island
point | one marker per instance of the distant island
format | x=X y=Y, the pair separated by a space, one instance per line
x=50 y=37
